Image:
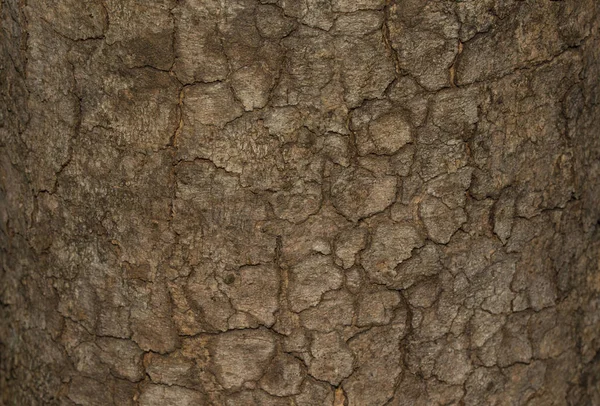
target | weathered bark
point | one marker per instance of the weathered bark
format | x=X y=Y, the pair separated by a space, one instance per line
x=307 y=202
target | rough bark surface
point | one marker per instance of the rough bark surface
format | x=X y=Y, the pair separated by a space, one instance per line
x=300 y=202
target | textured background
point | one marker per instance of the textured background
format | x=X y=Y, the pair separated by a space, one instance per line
x=300 y=202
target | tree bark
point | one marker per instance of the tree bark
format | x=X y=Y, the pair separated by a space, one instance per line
x=275 y=202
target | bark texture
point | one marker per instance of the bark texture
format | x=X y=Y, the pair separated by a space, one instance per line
x=300 y=202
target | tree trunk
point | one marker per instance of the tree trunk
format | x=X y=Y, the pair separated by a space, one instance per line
x=300 y=202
